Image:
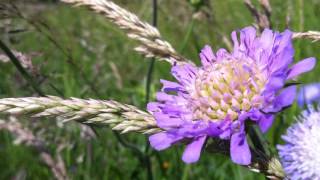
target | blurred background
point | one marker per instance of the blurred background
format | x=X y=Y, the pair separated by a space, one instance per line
x=73 y=52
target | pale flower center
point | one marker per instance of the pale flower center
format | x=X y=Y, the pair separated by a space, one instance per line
x=226 y=88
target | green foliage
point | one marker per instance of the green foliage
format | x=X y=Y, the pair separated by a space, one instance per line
x=96 y=60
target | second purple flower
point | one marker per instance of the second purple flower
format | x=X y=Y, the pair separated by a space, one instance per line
x=216 y=99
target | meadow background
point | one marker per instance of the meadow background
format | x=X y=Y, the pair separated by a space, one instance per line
x=77 y=53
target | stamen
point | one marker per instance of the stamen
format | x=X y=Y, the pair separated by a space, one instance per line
x=224 y=87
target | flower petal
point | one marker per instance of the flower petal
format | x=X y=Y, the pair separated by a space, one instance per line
x=275 y=82
x=163 y=140
x=169 y=86
x=214 y=130
x=265 y=122
x=161 y=96
x=239 y=149
x=308 y=94
x=302 y=67
x=207 y=56
x=185 y=74
x=165 y=121
x=154 y=107
x=247 y=36
x=282 y=60
x=282 y=52
x=192 y=152
x=235 y=43
x=222 y=54
x=266 y=40
x=285 y=40
x=284 y=99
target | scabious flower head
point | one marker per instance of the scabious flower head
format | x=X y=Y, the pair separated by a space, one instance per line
x=216 y=99
x=300 y=155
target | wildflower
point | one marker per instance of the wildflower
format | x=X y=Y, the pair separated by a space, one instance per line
x=300 y=154
x=216 y=99
x=308 y=94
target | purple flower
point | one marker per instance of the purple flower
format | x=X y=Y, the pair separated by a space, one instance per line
x=308 y=94
x=216 y=99
x=300 y=154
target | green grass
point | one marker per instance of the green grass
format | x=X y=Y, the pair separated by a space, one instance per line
x=94 y=45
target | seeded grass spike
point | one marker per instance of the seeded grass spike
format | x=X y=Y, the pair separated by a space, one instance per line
x=230 y=88
x=313 y=35
x=151 y=42
x=121 y=117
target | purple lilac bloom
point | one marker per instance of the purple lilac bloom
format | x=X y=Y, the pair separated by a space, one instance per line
x=300 y=153
x=215 y=99
x=308 y=94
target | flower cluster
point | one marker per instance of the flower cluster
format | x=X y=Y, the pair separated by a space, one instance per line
x=216 y=99
x=300 y=155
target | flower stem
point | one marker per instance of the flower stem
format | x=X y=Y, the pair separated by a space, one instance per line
x=186 y=170
x=148 y=87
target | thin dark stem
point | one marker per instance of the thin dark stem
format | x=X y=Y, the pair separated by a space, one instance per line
x=148 y=86
x=56 y=89
x=258 y=140
x=155 y=13
x=151 y=64
x=148 y=166
x=134 y=148
x=149 y=78
x=20 y=68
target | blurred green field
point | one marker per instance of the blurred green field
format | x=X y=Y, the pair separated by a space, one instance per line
x=85 y=56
